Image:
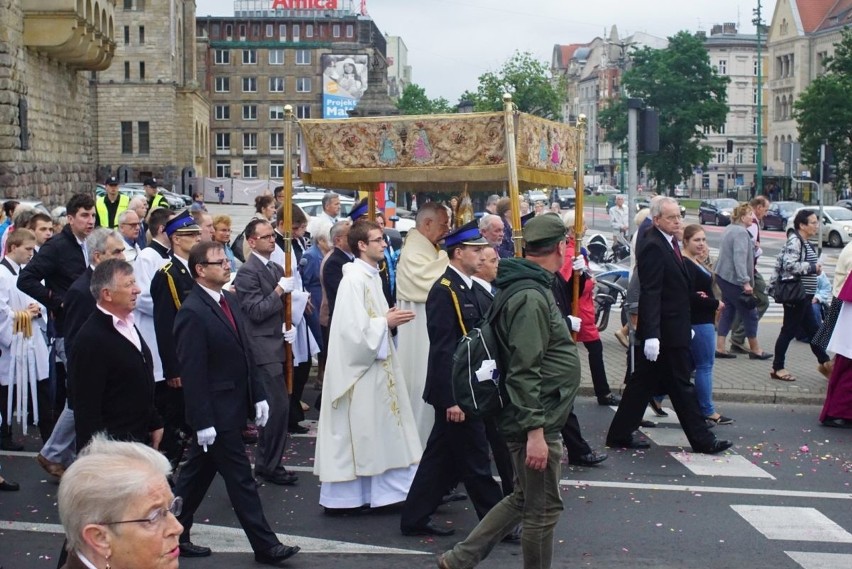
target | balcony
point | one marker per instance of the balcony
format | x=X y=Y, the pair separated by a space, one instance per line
x=79 y=33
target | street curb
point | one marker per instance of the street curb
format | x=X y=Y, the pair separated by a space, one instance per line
x=731 y=396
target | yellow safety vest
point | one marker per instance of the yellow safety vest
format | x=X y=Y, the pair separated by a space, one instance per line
x=159 y=201
x=101 y=209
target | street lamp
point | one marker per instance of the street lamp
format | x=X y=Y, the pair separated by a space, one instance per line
x=464 y=106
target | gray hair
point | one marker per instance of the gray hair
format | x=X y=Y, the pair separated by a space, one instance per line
x=428 y=211
x=658 y=204
x=122 y=217
x=486 y=220
x=320 y=229
x=327 y=197
x=96 y=241
x=337 y=228
x=492 y=200
x=106 y=476
x=105 y=274
x=568 y=218
x=136 y=202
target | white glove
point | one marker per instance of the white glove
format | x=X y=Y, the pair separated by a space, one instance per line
x=575 y=323
x=579 y=263
x=652 y=349
x=206 y=437
x=287 y=284
x=289 y=335
x=261 y=413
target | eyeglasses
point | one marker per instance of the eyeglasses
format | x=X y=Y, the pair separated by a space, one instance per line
x=268 y=236
x=157 y=516
x=376 y=240
x=220 y=262
x=131 y=224
x=673 y=217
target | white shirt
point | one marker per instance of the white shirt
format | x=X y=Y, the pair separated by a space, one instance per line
x=124 y=327
x=467 y=280
x=214 y=294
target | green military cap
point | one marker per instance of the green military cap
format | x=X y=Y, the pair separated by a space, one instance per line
x=544 y=230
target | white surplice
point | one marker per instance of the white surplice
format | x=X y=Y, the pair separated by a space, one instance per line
x=367 y=447
x=147 y=263
x=420 y=265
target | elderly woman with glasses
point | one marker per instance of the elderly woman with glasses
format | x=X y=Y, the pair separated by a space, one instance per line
x=118 y=510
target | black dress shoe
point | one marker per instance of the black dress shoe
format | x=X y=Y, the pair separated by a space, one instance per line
x=718 y=446
x=645 y=423
x=830 y=422
x=629 y=443
x=760 y=356
x=725 y=355
x=298 y=430
x=429 y=529
x=454 y=497
x=279 y=477
x=9 y=486
x=189 y=549
x=611 y=399
x=276 y=554
x=590 y=459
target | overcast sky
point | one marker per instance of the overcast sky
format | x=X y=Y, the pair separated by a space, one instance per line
x=452 y=42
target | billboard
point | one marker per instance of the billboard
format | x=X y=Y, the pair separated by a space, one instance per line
x=344 y=80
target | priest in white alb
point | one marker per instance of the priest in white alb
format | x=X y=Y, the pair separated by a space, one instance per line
x=367 y=443
x=421 y=263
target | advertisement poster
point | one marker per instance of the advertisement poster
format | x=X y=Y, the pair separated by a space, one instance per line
x=344 y=80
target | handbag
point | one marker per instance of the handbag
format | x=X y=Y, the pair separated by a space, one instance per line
x=748 y=300
x=789 y=291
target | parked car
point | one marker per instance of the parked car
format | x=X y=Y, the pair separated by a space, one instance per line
x=174 y=200
x=836 y=224
x=537 y=196
x=844 y=203
x=681 y=191
x=777 y=214
x=566 y=197
x=606 y=189
x=718 y=211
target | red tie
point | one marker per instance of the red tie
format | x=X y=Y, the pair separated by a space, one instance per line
x=677 y=249
x=227 y=310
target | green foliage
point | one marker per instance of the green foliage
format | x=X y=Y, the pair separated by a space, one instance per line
x=529 y=81
x=415 y=102
x=689 y=94
x=823 y=111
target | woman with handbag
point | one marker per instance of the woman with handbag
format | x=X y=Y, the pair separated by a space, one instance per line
x=795 y=283
x=735 y=277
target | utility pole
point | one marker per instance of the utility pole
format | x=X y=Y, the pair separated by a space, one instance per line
x=758 y=22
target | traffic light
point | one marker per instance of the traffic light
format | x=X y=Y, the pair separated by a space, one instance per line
x=649 y=131
x=829 y=169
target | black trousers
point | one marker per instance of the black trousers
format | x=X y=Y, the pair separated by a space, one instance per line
x=669 y=374
x=454 y=451
x=796 y=316
x=573 y=438
x=176 y=433
x=227 y=456
x=300 y=379
x=597 y=368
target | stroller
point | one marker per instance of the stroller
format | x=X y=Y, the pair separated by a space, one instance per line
x=600 y=251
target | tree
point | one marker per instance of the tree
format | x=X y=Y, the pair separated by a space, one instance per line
x=824 y=113
x=689 y=94
x=415 y=102
x=533 y=88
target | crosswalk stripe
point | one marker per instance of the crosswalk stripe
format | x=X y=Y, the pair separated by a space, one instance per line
x=814 y=560
x=732 y=465
x=792 y=524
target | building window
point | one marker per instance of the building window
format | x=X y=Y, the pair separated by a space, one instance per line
x=222 y=57
x=127 y=71
x=249 y=84
x=270 y=30
x=126 y=137
x=276 y=112
x=250 y=169
x=223 y=141
x=128 y=4
x=276 y=84
x=721 y=129
x=303 y=57
x=249 y=142
x=720 y=156
x=276 y=141
x=296 y=32
x=754 y=125
x=249 y=57
x=249 y=112
x=309 y=30
x=144 y=137
x=722 y=68
x=223 y=168
x=276 y=57
x=282 y=32
x=223 y=84
x=276 y=169
x=756 y=67
x=126 y=35
x=335 y=31
x=229 y=31
x=303 y=111
x=141 y=70
x=303 y=85
x=223 y=112
x=740 y=157
x=141 y=35
x=242 y=29
x=350 y=31
x=754 y=96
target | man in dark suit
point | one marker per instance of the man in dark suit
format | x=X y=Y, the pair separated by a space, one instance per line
x=114 y=383
x=221 y=383
x=457 y=448
x=261 y=287
x=332 y=269
x=169 y=288
x=664 y=330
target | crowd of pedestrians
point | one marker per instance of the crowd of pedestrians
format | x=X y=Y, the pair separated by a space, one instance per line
x=196 y=331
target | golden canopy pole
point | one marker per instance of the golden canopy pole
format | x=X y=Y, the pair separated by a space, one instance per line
x=371 y=200
x=288 y=236
x=580 y=135
x=512 y=167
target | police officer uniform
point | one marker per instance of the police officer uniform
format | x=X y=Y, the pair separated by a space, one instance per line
x=106 y=211
x=158 y=199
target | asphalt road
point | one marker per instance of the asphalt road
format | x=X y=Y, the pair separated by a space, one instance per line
x=779 y=499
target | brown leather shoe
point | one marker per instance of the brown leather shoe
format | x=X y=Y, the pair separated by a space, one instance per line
x=52 y=468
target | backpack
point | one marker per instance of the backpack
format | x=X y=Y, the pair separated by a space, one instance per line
x=477 y=374
x=237 y=246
